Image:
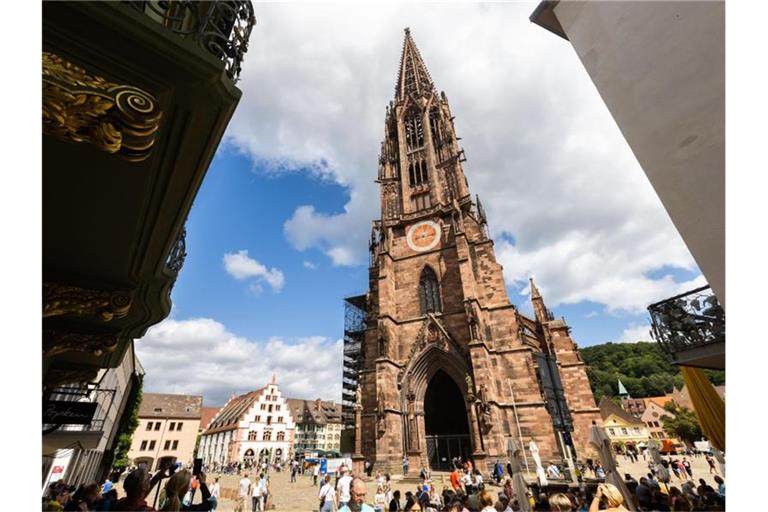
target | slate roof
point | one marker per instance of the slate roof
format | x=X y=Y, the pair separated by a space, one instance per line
x=162 y=405
x=315 y=412
x=607 y=408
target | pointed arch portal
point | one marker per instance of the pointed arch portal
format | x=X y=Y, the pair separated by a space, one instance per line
x=445 y=422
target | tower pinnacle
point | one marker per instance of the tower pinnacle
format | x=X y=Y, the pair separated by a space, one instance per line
x=413 y=77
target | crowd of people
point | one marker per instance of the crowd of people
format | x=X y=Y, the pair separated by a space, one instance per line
x=177 y=493
x=466 y=490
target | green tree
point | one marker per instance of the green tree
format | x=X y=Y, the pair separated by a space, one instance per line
x=128 y=424
x=642 y=367
x=684 y=426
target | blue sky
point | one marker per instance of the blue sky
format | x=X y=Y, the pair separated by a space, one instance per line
x=277 y=236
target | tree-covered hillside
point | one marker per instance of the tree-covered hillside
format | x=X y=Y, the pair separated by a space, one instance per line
x=642 y=367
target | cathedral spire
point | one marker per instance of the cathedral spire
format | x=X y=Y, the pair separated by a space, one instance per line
x=539 y=309
x=413 y=77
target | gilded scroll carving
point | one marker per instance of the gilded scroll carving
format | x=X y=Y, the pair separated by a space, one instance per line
x=81 y=107
x=71 y=300
x=58 y=342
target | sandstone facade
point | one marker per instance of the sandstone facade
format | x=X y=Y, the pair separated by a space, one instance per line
x=437 y=303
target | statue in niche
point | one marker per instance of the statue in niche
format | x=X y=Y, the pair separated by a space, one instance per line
x=484 y=408
x=472 y=320
x=413 y=427
x=470 y=388
x=358 y=398
x=380 y=413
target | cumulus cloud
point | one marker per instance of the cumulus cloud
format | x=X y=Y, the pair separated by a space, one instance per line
x=240 y=266
x=310 y=265
x=565 y=197
x=201 y=356
x=635 y=333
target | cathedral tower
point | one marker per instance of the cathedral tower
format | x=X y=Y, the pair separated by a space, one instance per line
x=448 y=366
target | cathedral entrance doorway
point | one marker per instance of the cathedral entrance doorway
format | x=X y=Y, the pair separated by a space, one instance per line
x=445 y=422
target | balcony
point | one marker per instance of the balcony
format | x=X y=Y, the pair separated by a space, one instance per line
x=690 y=328
x=220 y=28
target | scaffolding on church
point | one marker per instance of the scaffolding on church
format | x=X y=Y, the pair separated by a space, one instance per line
x=355 y=316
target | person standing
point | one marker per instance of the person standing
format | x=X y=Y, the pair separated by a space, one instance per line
x=405 y=465
x=380 y=499
x=215 y=494
x=242 y=491
x=327 y=496
x=455 y=483
x=294 y=469
x=687 y=466
x=712 y=467
x=394 y=504
x=343 y=489
x=315 y=473
x=255 y=495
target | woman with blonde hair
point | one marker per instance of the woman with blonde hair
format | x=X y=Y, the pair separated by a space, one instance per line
x=487 y=501
x=610 y=495
x=560 y=503
x=177 y=487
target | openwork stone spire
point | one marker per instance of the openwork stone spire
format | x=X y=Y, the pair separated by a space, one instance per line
x=413 y=77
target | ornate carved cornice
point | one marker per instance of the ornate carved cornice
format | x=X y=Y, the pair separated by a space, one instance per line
x=82 y=107
x=59 y=376
x=61 y=299
x=58 y=342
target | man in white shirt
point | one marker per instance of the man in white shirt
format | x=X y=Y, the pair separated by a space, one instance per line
x=242 y=491
x=343 y=488
x=553 y=472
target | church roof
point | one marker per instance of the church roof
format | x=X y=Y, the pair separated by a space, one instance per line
x=622 y=389
x=413 y=77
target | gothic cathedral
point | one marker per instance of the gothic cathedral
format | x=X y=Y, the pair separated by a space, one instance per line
x=449 y=368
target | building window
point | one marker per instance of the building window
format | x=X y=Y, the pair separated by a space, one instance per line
x=279 y=419
x=420 y=201
x=624 y=431
x=149 y=425
x=252 y=435
x=143 y=446
x=175 y=445
x=171 y=426
x=178 y=427
x=269 y=420
x=611 y=431
x=281 y=436
x=429 y=292
x=167 y=445
x=157 y=425
x=267 y=436
x=277 y=407
x=414 y=131
x=270 y=408
x=417 y=173
x=151 y=445
x=263 y=407
x=258 y=419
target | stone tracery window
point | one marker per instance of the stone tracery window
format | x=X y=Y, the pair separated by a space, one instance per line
x=414 y=131
x=429 y=292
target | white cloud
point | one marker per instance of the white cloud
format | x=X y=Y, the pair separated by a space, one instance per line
x=310 y=265
x=240 y=266
x=636 y=332
x=546 y=157
x=200 y=356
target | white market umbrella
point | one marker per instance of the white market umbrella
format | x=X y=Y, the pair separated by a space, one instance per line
x=599 y=439
x=519 y=484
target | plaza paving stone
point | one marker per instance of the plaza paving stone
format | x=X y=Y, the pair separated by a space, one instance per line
x=302 y=495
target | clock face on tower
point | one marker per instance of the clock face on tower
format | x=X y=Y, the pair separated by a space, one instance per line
x=423 y=236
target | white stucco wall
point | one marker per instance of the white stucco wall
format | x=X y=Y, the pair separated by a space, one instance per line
x=660 y=69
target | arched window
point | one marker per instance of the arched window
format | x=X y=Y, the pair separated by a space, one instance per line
x=252 y=435
x=281 y=436
x=267 y=436
x=429 y=292
x=414 y=131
